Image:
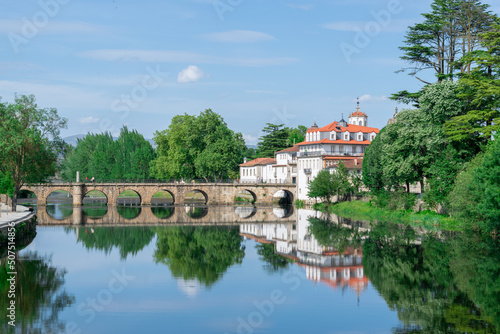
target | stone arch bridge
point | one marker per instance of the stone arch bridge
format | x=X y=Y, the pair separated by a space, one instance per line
x=214 y=193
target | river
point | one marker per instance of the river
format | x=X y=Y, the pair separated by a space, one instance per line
x=198 y=269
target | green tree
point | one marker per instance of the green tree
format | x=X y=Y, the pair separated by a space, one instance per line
x=297 y=135
x=482 y=88
x=326 y=185
x=197 y=146
x=100 y=156
x=29 y=142
x=449 y=31
x=487 y=185
x=373 y=175
x=6 y=184
x=463 y=199
x=275 y=139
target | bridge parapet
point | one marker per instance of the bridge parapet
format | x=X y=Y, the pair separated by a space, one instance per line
x=214 y=193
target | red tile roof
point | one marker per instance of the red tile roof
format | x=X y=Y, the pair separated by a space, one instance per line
x=294 y=148
x=329 y=141
x=259 y=161
x=358 y=113
x=349 y=128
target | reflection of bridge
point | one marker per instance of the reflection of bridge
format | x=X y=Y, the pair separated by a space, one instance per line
x=177 y=215
x=214 y=193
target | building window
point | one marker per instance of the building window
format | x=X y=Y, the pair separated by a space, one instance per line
x=359 y=137
x=346 y=137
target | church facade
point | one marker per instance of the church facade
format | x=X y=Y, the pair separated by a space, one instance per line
x=323 y=148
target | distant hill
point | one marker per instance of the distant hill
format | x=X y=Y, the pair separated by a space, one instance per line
x=73 y=140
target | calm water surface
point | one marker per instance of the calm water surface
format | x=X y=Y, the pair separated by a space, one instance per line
x=248 y=270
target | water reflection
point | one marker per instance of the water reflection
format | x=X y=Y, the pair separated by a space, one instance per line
x=127 y=240
x=60 y=211
x=95 y=211
x=39 y=295
x=245 y=211
x=128 y=212
x=163 y=212
x=196 y=211
x=328 y=247
x=199 y=253
x=436 y=283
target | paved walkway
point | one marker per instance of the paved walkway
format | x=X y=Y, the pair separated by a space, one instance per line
x=7 y=216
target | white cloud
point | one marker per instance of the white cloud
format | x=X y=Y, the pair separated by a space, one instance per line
x=300 y=6
x=368 y=97
x=89 y=120
x=238 y=36
x=190 y=74
x=52 y=27
x=250 y=140
x=168 y=56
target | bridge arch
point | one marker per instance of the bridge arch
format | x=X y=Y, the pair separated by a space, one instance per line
x=245 y=195
x=194 y=199
x=283 y=196
x=160 y=196
x=92 y=195
x=129 y=196
x=52 y=194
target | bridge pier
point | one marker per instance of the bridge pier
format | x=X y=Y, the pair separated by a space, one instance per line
x=78 y=194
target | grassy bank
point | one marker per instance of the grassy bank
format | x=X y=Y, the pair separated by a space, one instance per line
x=359 y=210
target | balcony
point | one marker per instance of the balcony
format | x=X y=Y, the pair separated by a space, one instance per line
x=307 y=171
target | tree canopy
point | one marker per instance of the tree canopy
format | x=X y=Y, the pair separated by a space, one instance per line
x=449 y=32
x=100 y=156
x=274 y=139
x=29 y=142
x=197 y=147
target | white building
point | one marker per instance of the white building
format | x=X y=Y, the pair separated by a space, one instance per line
x=280 y=169
x=326 y=147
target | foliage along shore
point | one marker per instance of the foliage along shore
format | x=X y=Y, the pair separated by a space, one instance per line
x=365 y=211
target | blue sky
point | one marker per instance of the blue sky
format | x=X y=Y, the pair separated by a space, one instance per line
x=139 y=63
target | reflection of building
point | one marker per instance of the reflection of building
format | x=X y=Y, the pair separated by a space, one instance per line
x=324 y=264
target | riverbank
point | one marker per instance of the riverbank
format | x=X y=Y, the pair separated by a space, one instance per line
x=365 y=211
x=7 y=216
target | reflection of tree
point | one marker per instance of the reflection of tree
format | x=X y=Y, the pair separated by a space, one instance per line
x=202 y=253
x=476 y=268
x=416 y=281
x=128 y=212
x=162 y=212
x=129 y=239
x=95 y=211
x=58 y=211
x=330 y=234
x=273 y=261
x=39 y=296
x=196 y=211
